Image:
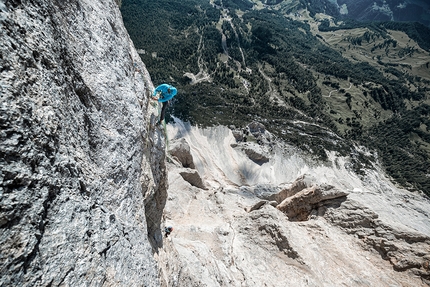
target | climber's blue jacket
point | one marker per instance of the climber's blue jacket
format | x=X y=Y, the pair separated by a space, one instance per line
x=164 y=94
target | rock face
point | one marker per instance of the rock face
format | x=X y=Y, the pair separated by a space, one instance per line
x=319 y=225
x=404 y=248
x=79 y=162
x=83 y=180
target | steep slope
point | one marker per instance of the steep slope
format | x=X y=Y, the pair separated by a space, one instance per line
x=79 y=161
x=286 y=222
x=307 y=74
x=83 y=181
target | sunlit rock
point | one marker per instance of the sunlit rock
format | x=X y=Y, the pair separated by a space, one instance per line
x=77 y=165
x=193 y=177
x=181 y=151
x=299 y=206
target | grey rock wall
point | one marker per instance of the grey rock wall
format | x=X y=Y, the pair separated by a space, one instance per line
x=75 y=148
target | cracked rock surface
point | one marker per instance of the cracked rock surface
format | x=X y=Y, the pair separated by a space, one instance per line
x=83 y=187
x=73 y=143
x=320 y=225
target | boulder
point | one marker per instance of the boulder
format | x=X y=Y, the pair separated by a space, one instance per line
x=193 y=177
x=255 y=153
x=256 y=129
x=181 y=150
x=302 y=182
x=299 y=206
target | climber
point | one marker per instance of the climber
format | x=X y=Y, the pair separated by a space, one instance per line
x=168 y=230
x=163 y=94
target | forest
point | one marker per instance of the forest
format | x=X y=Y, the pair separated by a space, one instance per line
x=181 y=37
x=416 y=31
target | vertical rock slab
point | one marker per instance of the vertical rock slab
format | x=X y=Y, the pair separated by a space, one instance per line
x=73 y=147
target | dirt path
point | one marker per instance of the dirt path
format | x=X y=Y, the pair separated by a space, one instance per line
x=202 y=75
x=329 y=95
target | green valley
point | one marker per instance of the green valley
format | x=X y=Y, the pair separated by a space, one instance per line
x=315 y=81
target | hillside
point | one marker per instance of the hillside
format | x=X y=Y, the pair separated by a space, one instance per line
x=248 y=214
x=283 y=62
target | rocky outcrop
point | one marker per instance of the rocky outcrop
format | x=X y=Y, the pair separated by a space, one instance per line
x=405 y=249
x=299 y=206
x=193 y=177
x=325 y=228
x=299 y=200
x=254 y=131
x=79 y=161
x=180 y=150
x=255 y=153
x=302 y=182
x=251 y=141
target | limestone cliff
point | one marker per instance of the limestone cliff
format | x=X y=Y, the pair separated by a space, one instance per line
x=79 y=160
x=84 y=194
